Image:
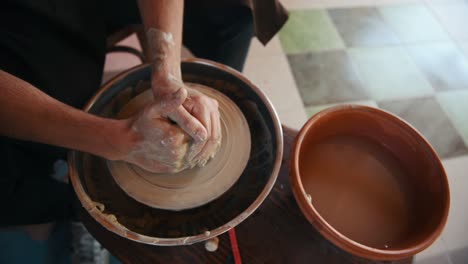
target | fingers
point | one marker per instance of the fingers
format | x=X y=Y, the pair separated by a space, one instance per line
x=194 y=128
x=213 y=141
x=217 y=132
x=206 y=111
x=198 y=116
x=205 y=118
x=189 y=124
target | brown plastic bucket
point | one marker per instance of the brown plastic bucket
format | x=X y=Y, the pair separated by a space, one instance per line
x=369 y=182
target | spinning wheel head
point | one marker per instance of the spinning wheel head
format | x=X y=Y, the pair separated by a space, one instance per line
x=120 y=212
x=192 y=187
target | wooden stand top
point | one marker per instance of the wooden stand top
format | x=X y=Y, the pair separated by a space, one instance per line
x=276 y=233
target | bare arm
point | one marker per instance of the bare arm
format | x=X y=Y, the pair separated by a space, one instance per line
x=29 y=114
x=199 y=116
x=163 y=25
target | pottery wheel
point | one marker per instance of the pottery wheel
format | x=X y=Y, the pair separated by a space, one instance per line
x=193 y=187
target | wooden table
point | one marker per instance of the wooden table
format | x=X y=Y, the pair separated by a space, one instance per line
x=276 y=233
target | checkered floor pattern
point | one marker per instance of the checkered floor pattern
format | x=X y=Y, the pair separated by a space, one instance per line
x=409 y=59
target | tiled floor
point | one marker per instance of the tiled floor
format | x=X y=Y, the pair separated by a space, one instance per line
x=426 y=115
x=362 y=27
x=443 y=63
x=407 y=57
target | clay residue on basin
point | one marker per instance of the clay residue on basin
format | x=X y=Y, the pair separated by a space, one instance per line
x=234 y=205
x=359 y=188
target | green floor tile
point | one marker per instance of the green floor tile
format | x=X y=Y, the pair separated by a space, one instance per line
x=389 y=73
x=455 y=104
x=309 y=30
x=414 y=23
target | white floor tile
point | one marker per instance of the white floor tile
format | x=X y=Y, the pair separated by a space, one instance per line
x=271 y=49
x=455 y=106
x=301 y=4
x=432 y=2
x=293 y=118
x=409 y=22
x=381 y=71
x=273 y=76
x=396 y=2
x=435 y=254
x=455 y=233
x=347 y=3
x=454 y=17
x=457 y=173
x=464 y=48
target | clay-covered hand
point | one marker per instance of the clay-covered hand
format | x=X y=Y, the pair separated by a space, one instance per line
x=206 y=110
x=165 y=88
x=198 y=116
x=160 y=146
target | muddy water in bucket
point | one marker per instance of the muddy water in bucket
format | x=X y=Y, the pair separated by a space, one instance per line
x=369 y=182
x=358 y=187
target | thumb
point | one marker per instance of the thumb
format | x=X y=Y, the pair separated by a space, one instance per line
x=169 y=103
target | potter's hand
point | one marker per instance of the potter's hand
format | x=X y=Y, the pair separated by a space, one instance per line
x=205 y=110
x=159 y=145
x=167 y=88
x=166 y=81
x=198 y=116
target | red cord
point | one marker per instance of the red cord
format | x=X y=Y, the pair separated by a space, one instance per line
x=235 y=246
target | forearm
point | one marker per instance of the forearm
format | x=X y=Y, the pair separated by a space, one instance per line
x=163 y=25
x=29 y=114
x=163 y=21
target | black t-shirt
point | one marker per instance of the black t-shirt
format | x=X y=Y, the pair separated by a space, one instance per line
x=58 y=46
